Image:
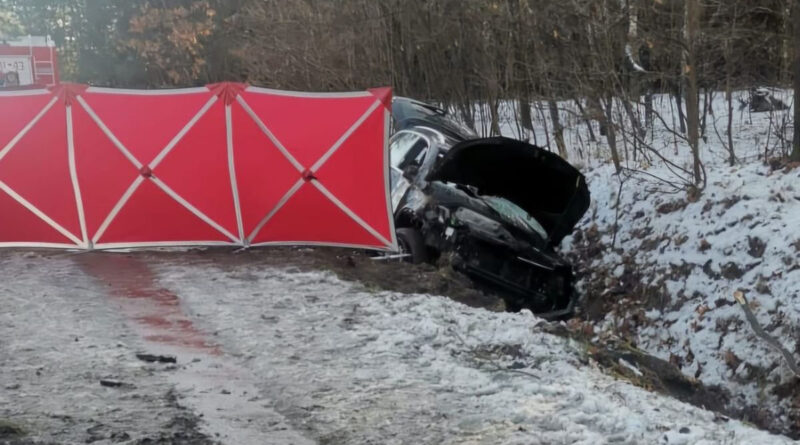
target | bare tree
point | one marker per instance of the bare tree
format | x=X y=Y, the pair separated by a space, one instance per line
x=795 y=156
x=692 y=91
x=476 y=57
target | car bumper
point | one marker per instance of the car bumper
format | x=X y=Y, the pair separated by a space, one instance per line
x=544 y=288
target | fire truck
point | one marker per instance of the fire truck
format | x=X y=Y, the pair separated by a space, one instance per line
x=28 y=62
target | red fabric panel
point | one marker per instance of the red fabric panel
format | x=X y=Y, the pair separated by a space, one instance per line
x=16 y=112
x=153 y=216
x=355 y=174
x=37 y=169
x=307 y=126
x=197 y=169
x=145 y=124
x=263 y=173
x=311 y=217
x=104 y=173
x=18 y=224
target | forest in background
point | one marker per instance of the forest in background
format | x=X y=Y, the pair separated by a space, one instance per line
x=603 y=55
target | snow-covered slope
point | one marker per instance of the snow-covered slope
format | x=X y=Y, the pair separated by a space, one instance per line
x=668 y=283
x=659 y=265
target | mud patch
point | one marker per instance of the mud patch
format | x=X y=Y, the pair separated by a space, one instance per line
x=182 y=429
x=13 y=434
x=347 y=264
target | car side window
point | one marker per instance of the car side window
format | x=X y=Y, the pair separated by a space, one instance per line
x=408 y=149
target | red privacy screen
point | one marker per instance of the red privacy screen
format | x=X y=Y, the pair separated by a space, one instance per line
x=226 y=164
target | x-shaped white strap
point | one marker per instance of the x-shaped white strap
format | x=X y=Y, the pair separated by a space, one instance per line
x=150 y=167
x=314 y=168
x=21 y=200
x=169 y=191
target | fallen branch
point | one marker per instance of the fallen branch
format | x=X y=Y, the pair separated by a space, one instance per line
x=770 y=340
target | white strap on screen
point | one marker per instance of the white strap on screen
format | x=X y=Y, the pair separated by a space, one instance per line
x=317 y=165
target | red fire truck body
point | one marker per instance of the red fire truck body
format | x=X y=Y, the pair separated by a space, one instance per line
x=28 y=62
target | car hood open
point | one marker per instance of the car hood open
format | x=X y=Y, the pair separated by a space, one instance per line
x=540 y=182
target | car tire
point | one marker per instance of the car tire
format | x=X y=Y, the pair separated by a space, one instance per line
x=411 y=243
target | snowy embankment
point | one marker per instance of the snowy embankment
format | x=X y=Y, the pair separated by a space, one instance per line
x=667 y=282
x=659 y=265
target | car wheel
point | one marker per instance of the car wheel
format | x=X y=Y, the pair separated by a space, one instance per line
x=412 y=244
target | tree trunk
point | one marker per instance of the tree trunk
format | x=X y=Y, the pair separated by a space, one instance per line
x=708 y=99
x=676 y=92
x=558 y=130
x=467 y=111
x=598 y=111
x=796 y=33
x=692 y=93
x=637 y=126
x=729 y=93
x=494 y=110
x=540 y=109
x=729 y=98
x=611 y=133
x=525 y=113
x=787 y=57
x=586 y=119
x=648 y=108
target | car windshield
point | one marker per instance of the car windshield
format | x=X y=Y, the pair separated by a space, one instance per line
x=515 y=214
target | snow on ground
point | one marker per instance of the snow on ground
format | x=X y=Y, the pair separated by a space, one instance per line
x=59 y=337
x=290 y=357
x=62 y=332
x=673 y=276
x=355 y=367
x=676 y=262
x=741 y=234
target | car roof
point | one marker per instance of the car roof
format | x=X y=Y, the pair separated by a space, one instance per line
x=434 y=135
x=409 y=113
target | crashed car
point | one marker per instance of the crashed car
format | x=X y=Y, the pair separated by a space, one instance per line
x=494 y=208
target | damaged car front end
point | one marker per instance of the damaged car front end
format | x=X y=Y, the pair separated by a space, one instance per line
x=493 y=208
